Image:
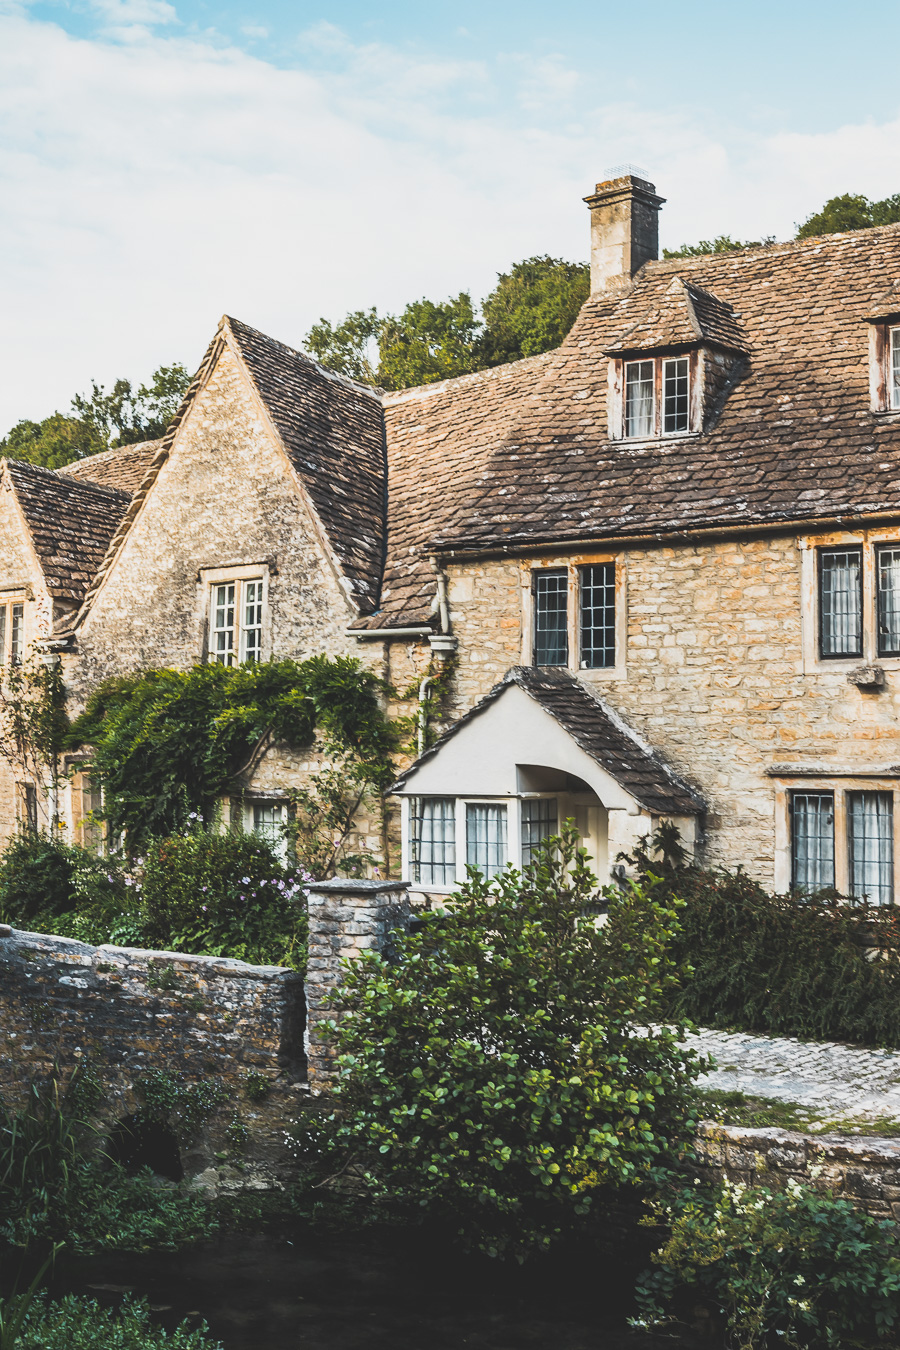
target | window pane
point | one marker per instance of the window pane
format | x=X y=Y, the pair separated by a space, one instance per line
x=268 y=819
x=17 y=635
x=433 y=841
x=598 y=616
x=2 y=635
x=870 y=824
x=486 y=838
x=840 y=602
x=812 y=840
x=252 y=625
x=889 y=601
x=551 y=646
x=675 y=395
x=222 y=645
x=639 y=398
x=540 y=819
x=895 y=367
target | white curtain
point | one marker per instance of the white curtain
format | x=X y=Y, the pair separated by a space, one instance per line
x=871 y=831
x=486 y=837
x=639 y=398
x=812 y=815
x=434 y=841
x=841 y=603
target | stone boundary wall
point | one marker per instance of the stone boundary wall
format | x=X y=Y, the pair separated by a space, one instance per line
x=863 y=1170
x=199 y=1019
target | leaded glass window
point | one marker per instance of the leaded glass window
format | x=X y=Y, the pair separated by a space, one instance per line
x=433 y=840
x=870 y=830
x=551 y=622
x=889 y=602
x=840 y=602
x=540 y=820
x=597 y=604
x=16 y=635
x=486 y=837
x=675 y=395
x=639 y=398
x=812 y=840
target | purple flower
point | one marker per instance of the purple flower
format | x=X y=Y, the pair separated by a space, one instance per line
x=203 y=907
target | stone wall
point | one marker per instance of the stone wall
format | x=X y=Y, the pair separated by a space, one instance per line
x=862 y=1170
x=198 y=1019
x=713 y=676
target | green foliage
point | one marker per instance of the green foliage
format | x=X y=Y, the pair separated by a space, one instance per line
x=489 y=1066
x=40 y=1148
x=792 y=1268
x=850 y=212
x=110 y=1211
x=46 y=881
x=34 y=725
x=349 y=347
x=101 y=420
x=78 y=1323
x=723 y=243
x=530 y=310
x=814 y=966
x=256 y=1086
x=169 y=743
x=429 y=341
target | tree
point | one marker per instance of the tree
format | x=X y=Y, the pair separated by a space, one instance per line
x=850 y=212
x=508 y=1063
x=532 y=308
x=723 y=243
x=102 y=420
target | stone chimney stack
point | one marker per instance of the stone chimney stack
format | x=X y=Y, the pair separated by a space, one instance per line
x=624 y=231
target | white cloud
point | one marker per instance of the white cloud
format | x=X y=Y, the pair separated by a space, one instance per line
x=148 y=185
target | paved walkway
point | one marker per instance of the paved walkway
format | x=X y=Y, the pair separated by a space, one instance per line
x=837 y=1081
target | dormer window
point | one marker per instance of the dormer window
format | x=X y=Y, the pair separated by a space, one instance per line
x=895 y=368
x=884 y=363
x=657 y=397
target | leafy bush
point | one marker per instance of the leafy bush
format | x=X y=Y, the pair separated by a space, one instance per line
x=791 y=1268
x=40 y=1149
x=168 y=744
x=506 y=1063
x=814 y=966
x=47 y=885
x=225 y=895
x=77 y=1323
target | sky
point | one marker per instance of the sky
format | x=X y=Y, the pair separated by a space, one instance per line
x=163 y=162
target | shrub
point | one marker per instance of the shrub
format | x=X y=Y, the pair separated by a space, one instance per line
x=815 y=966
x=790 y=1268
x=50 y=886
x=505 y=1064
x=225 y=895
x=76 y=1323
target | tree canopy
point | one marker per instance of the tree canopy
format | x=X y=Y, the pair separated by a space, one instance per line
x=101 y=420
x=529 y=311
x=851 y=211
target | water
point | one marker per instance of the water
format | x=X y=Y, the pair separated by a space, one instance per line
x=375 y=1291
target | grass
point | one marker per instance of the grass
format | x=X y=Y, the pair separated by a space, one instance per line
x=736 y=1108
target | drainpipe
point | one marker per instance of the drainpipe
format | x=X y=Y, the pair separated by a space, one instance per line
x=422 y=729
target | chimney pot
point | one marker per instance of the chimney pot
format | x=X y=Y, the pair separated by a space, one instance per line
x=624 y=231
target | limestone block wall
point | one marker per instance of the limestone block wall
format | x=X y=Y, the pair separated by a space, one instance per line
x=345 y=919
x=126 y=1012
x=713 y=676
x=864 y=1171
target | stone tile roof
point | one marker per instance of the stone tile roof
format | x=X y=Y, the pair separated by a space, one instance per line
x=438 y=439
x=598 y=730
x=795 y=441
x=681 y=315
x=332 y=430
x=71 y=524
x=123 y=468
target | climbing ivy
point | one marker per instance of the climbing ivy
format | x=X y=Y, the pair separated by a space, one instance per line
x=168 y=744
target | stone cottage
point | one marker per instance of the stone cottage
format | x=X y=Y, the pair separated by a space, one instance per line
x=663 y=562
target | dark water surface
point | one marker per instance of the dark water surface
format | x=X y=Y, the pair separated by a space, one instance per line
x=380 y=1291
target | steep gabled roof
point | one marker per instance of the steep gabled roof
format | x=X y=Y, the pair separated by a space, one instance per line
x=124 y=468
x=71 y=524
x=795 y=441
x=597 y=729
x=332 y=430
x=682 y=316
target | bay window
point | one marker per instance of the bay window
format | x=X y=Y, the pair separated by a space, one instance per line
x=486 y=837
x=540 y=820
x=433 y=841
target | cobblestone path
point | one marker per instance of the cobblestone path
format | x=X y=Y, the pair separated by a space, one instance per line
x=839 y=1081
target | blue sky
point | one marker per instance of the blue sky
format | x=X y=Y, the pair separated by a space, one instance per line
x=163 y=161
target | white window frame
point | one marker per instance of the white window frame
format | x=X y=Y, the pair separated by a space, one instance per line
x=573 y=567
x=840 y=786
x=811 y=548
x=619 y=370
x=893 y=368
x=12 y=608
x=243 y=579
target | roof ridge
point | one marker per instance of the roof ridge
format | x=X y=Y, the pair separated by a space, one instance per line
x=656 y=265
x=391 y=397
x=374 y=391
x=80 y=484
